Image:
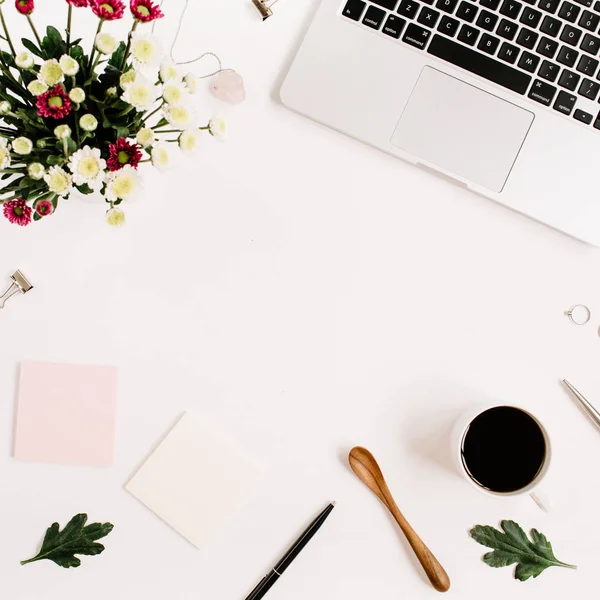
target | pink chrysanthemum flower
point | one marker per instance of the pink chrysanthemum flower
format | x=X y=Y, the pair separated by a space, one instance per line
x=145 y=10
x=78 y=3
x=44 y=208
x=123 y=153
x=54 y=103
x=109 y=10
x=25 y=7
x=17 y=212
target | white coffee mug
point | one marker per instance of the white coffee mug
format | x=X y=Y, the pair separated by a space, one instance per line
x=533 y=488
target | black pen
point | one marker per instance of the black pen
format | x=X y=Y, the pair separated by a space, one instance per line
x=277 y=571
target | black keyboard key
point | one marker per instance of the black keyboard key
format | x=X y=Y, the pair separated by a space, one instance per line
x=571 y=35
x=511 y=9
x=550 y=26
x=597 y=5
x=374 y=17
x=394 y=26
x=446 y=5
x=547 y=47
x=565 y=103
x=569 y=12
x=542 y=92
x=477 y=63
x=597 y=122
x=408 y=9
x=491 y=4
x=430 y=2
x=529 y=62
x=354 y=9
x=567 y=56
x=531 y=17
x=488 y=43
x=507 y=29
x=448 y=26
x=583 y=116
x=468 y=35
x=487 y=20
x=416 y=36
x=527 y=38
x=549 y=5
x=389 y=4
x=587 y=3
x=466 y=11
x=589 y=89
x=428 y=16
x=589 y=20
x=549 y=70
x=569 y=80
x=590 y=44
x=508 y=53
x=587 y=65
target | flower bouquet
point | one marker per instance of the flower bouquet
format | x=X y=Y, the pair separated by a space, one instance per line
x=85 y=119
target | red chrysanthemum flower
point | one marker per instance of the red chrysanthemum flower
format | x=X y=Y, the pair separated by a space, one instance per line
x=44 y=208
x=17 y=212
x=25 y=7
x=123 y=153
x=145 y=10
x=78 y=3
x=109 y=10
x=54 y=103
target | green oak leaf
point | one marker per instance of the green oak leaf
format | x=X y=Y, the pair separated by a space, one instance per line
x=76 y=538
x=512 y=546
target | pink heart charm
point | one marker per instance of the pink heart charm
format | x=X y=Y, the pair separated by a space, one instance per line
x=228 y=86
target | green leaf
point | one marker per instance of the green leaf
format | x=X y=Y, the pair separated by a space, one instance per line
x=85 y=189
x=76 y=538
x=117 y=56
x=512 y=546
x=55 y=160
x=32 y=48
x=122 y=132
x=77 y=52
x=53 y=44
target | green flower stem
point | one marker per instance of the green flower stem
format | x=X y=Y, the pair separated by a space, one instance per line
x=12 y=48
x=152 y=113
x=168 y=130
x=128 y=47
x=37 y=37
x=69 y=18
x=100 y=24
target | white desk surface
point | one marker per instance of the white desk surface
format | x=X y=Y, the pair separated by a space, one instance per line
x=306 y=293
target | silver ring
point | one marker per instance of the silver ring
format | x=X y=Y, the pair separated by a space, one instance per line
x=580 y=314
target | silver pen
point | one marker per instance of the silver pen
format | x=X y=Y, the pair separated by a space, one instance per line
x=589 y=410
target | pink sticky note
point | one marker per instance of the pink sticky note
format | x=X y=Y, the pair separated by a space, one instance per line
x=66 y=414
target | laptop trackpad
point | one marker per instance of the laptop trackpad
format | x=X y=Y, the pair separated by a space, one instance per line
x=462 y=129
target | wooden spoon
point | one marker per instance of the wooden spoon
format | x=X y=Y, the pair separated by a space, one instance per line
x=365 y=467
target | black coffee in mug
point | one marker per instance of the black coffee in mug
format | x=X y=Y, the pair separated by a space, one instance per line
x=504 y=449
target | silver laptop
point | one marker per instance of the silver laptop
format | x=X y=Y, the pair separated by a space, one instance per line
x=499 y=96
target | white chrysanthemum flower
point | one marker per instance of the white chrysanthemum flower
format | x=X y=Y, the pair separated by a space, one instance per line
x=4 y=154
x=145 y=50
x=68 y=65
x=5 y=107
x=115 y=217
x=62 y=132
x=111 y=92
x=58 y=181
x=24 y=60
x=191 y=81
x=122 y=184
x=175 y=93
x=106 y=43
x=168 y=72
x=217 y=127
x=88 y=122
x=77 y=95
x=36 y=170
x=51 y=72
x=189 y=140
x=22 y=145
x=145 y=137
x=88 y=167
x=161 y=155
x=37 y=87
x=181 y=117
x=141 y=94
x=127 y=79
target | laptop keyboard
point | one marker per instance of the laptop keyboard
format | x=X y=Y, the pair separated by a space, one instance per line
x=544 y=49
